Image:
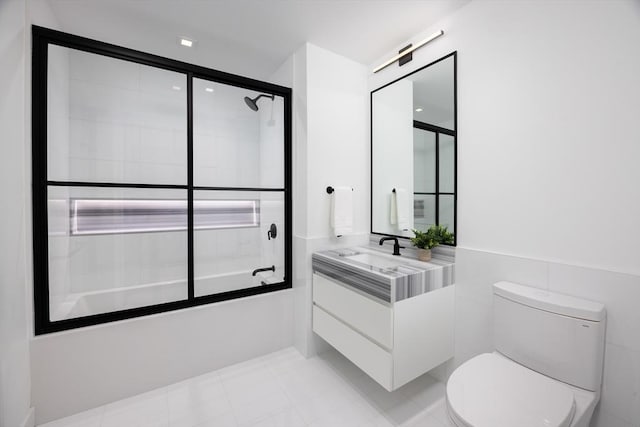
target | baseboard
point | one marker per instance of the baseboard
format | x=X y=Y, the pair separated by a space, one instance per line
x=29 y=419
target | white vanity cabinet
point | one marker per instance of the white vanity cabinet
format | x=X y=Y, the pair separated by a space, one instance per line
x=393 y=343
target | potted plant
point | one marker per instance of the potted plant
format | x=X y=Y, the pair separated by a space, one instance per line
x=426 y=240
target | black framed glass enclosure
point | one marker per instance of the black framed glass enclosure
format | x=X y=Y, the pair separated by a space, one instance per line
x=157 y=184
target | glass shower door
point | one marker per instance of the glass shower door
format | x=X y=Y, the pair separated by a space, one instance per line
x=239 y=191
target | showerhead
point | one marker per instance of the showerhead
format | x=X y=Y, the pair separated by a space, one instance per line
x=253 y=103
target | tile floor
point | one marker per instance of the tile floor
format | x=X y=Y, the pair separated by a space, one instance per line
x=282 y=389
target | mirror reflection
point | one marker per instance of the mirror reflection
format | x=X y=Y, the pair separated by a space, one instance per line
x=414 y=151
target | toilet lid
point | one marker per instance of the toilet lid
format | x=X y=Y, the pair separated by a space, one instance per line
x=493 y=391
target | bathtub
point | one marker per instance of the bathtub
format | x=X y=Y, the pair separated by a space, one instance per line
x=109 y=300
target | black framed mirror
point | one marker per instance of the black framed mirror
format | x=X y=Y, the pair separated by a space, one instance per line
x=414 y=151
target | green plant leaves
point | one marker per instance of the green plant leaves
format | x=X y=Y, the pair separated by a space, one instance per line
x=435 y=235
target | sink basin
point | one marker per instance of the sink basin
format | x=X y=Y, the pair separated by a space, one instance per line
x=374 y=260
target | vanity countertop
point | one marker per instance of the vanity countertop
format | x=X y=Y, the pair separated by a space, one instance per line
x=379 y=274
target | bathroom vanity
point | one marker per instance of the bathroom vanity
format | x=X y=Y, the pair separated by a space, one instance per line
x=392 y=316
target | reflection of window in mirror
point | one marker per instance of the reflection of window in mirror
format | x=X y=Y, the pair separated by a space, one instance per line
x=434 y=175
x=418 y=208
x=414 y=148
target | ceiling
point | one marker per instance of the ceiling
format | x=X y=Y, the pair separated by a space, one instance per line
x=253 y=37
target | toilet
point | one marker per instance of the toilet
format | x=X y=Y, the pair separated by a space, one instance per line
x=546 y=369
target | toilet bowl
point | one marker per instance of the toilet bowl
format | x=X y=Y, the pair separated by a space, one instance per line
x=547 y=367
x=492 y=390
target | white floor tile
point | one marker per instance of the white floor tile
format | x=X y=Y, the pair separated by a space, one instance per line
x=252 y=388
x=287 y=418
x=378 y=421
x=193 y=415
x=145 y=410
x=347 y=416
x=282 y=389
x=90 y=418
x=243 y=368
x=251 y=411
x=227 y=420
x=403 y=412
x=425 y=391
x=195 y=392
x=423 y=420
x=439 y=411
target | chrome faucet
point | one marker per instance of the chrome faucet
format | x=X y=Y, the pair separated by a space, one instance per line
x=396 y=245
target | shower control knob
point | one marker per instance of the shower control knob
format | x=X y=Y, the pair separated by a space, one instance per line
x=273 y=232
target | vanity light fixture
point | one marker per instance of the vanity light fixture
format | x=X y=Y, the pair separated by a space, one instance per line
x=186 y=42
x=408 y=51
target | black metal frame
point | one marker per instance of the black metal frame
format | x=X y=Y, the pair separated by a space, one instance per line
x=42 y=38
x=437 y=130
x=426 y=126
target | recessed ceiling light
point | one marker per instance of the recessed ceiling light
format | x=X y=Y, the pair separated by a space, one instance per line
x=186 y=42
x=175 y=87
x=209 y=89
x=418 y=109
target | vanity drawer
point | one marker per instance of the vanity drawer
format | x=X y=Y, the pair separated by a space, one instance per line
x=369 y=357
x=370 y=318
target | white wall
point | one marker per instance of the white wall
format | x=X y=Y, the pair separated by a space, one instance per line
x=330 y=149
x=337 y=143
x=15 y=399
x=546 y=127
x=548 y=102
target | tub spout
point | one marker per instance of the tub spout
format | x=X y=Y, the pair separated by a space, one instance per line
x=258 y=270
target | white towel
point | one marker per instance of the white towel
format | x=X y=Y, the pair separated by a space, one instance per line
x=393 y=212
x=342 y=210
x=400 y=213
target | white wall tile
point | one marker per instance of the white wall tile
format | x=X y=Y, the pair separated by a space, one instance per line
x=605 y=419
x=621 y=383
x=476 y=272
x=14 y=317
x=619 y=293
x=473 y=329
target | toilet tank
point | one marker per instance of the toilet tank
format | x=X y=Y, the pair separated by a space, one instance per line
x=556 y=335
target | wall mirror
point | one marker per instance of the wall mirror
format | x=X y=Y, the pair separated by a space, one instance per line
x=413 y=151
